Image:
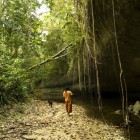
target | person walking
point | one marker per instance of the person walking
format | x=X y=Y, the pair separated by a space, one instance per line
x=67 y=94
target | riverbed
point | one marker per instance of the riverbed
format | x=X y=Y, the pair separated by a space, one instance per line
x=110 y=107
x=110 y=104
x=38 y=121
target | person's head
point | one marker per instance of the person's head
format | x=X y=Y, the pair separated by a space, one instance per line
x=66 y=88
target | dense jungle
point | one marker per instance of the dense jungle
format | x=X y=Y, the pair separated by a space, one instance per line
x=90 y=46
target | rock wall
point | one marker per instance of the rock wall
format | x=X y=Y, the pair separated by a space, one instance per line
x=127 y=19
x=129 y=42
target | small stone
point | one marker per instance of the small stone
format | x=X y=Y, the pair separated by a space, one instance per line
x=30 y=137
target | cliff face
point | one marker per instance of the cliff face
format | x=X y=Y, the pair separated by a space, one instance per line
x=129 y=42
x=127 y=19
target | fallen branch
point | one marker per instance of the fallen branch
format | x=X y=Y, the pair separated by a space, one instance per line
x=56 y=56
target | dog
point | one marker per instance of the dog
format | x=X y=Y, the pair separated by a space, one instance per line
x=50 y=102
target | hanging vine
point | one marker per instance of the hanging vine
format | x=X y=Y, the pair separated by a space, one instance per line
x=121 y=78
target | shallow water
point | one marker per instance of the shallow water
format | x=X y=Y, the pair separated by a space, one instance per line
x=109 y=107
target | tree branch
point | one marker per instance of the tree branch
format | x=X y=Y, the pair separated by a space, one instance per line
x=54 y=57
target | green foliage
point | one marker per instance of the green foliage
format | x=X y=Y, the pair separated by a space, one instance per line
x=14 y=80
x=27 y=39
x=19 y=26
x=62 y=29
x=19 y=40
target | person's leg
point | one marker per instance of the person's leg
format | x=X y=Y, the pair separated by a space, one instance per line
x=69 y=107
x=66 y=106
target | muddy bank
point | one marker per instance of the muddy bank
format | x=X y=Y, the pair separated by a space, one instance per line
x=39 y=121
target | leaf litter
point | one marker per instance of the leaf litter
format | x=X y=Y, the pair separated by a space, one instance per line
x=39 y=121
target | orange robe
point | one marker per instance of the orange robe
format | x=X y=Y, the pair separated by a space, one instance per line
x=68 y=100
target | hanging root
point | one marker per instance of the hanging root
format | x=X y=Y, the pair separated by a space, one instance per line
x=122 y=80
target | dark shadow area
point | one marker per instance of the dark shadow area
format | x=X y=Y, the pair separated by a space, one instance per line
x=112 y=112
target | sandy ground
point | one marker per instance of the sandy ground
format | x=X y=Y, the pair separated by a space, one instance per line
x=41 y=122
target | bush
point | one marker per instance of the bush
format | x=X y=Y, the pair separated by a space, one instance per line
x=15 y=84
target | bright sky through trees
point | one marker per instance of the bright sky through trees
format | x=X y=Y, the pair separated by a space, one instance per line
x=43 y=8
